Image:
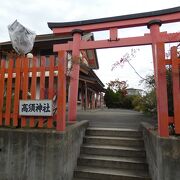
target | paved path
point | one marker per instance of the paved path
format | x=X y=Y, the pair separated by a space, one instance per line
x=114 y=118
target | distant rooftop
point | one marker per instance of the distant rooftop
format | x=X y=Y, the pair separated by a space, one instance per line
x=43 y=37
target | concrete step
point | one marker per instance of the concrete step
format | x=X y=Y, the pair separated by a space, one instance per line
x=81 y=179
x=112 y=154
x=108 y=150
x=113 y=162
x=121 y=141
x=113 y=132
x=109 y=174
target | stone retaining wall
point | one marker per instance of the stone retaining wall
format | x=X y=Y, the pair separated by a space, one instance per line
x=40 y=154
x=163 y=154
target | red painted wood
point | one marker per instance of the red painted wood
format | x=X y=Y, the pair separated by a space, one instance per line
x=113 y=34
x=61 y=93
x=42 y=86
x=176 y=88
x=122 y=42
x=119 y=24
x=33 y=87
x=51 y=88
x=74 y=80
x=17 y=91
x=161 y=90
x=155 y=38
x=160 y=80
x=168 y=62
x=9 y=92
x=2 y=73
x=24 y=86
x=30 y=69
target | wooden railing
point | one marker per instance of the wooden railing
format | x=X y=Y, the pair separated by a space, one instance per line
x=20 y=80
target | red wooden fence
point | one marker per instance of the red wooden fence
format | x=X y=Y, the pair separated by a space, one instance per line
x=174 y=63
x=23 y=79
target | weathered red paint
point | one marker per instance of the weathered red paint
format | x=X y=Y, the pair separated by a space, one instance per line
x=17 y=89
x=61 y=92
x=176 y=88
x=2 y=72
x=113 y=34
x=122 y=42
x=24 y=86
x=160 y=79
x=33 y=88
x=9 y=93
x=74 y=80
x=42 y=87
x=161 y=90
x=51 y=87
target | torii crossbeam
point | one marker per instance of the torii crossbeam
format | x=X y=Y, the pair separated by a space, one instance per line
x=153 y=20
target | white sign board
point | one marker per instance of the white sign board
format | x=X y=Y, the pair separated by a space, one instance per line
x=35 y=108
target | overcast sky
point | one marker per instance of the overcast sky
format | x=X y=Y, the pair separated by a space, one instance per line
x=35 y=14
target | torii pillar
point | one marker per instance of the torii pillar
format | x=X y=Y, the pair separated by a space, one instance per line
x=158 y=52
x=74 y=77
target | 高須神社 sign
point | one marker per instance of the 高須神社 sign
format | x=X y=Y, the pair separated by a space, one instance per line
x=35 y=108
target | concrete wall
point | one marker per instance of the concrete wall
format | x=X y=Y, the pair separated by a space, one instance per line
x=40 y=154
x=163 y=154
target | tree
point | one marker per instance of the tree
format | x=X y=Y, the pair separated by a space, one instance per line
x=116 y=95
x=109 y=97
x=118 y=86
x=148 y=103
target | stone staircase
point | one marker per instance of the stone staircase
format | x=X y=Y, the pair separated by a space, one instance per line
x=112 y=154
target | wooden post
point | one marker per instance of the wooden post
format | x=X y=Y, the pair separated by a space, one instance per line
x=42 y=86
x=86 y=100
x=82 y=97
x=2 y=74
x=33 y=86
x=25 y=83
x=17 y=91
x=176 y=88
x=51 y=87
x=9 y=93
x=100 y=100
x=61 y=94
x=160 y=77
x=93 y=100
x=74 y=81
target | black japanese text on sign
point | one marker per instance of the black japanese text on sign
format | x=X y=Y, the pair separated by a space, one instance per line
x=35 y=108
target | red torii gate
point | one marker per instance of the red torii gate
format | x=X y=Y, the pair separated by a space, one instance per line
x=153 y=20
